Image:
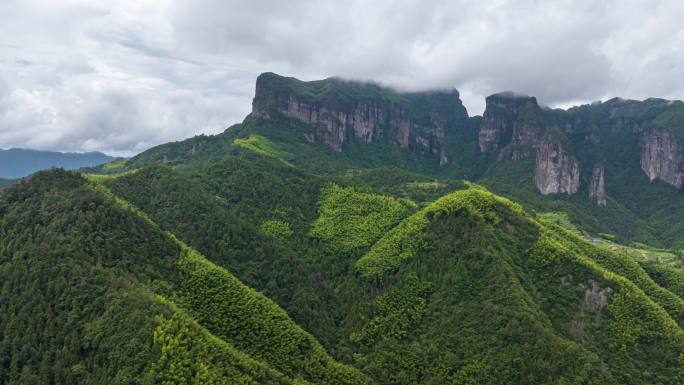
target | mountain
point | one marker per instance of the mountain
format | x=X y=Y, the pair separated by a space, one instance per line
x=347 y=233
x=614 y=167
x=348 y=123
x=17 y=162
x=108 y=297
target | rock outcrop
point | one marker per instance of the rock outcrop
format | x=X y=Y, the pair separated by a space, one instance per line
x=362 y=123
x=414 y=121
x=556 y=170
x=662 y=157
x=514 y=126
x=511 y=119
x=597 y=188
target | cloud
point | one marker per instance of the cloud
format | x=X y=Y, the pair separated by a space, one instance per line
x=123 y=76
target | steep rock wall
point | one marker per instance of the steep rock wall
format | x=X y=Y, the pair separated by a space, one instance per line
x=556 y=170
x=511 y=119
x=597 y=187
x=662 y=157
x=390 y=116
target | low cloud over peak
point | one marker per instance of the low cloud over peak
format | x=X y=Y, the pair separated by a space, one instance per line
x=122 y=76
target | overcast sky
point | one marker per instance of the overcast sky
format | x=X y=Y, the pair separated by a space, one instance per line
x=120 y=76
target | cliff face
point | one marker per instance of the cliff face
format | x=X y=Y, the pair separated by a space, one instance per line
x=334 y=127
x=556 y=170
x=662 y=157
x=514 y=120
x=414 y=121
x=513 y=127
x=597 y=188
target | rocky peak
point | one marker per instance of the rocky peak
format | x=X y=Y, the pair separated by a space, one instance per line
x=514 y=126
x=556 y=168
x=597 y=189
x=344 y=111
x=662 y=157
x=510 y=118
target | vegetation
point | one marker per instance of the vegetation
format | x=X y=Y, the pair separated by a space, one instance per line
x=277 y=229
x=100 y=320
x=458 y=290
x=405 y=240
x=262 y=146
x=257 y=257
x=672 y=119
x=236 y=313
x=569 y=311
x=350 y=219
x=115 y=165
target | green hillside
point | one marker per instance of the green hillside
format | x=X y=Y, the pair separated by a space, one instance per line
x=466 y=288
x=107 y=297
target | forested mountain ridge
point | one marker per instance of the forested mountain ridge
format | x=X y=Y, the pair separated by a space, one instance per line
x=407 y=327
x=107 y=297
x=269 y=254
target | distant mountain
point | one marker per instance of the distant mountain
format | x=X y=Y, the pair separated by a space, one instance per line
x=19 y=162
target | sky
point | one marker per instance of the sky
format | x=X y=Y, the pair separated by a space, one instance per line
x=121 y=76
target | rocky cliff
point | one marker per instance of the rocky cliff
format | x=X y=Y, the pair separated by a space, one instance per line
x=512 y=125
x=342 y=111
x=662 y=157
x=435 y=124
x=556 y=169
x=597 y=187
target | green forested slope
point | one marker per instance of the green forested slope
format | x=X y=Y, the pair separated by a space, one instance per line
x=82 y=276
x=479 y=279
x=468 y=288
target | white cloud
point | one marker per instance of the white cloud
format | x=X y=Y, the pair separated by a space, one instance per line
x=123 y=76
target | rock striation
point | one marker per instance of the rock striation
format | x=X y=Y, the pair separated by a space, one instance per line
x=556 y=169
x=414 y=121
x=339 y=113
x=662 y=157
x=513 y=126
x=597 y=187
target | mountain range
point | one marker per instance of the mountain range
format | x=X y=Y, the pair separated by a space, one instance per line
x=347 y=233
x=19 y=162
